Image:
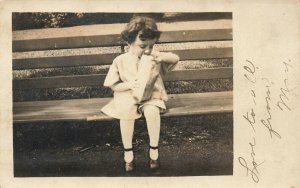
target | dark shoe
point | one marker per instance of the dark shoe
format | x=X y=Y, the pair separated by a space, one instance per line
x=154 y=164
x=129 y=167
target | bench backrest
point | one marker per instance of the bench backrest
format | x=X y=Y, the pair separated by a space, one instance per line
x=69 y=47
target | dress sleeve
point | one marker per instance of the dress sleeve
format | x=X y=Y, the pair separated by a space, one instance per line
x=169 y=62
x=112 y=76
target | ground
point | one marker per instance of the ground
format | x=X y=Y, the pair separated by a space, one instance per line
x=189 y=146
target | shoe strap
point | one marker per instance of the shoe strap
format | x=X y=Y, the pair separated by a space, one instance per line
x=128 y=149
x=152 y=147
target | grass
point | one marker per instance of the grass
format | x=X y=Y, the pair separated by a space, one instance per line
x=49 y=135
x=38 y=20
x=189 y=146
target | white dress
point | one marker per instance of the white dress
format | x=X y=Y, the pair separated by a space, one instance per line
x=123 y=105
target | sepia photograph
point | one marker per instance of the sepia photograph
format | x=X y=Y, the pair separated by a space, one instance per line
x=122 y=94
x=139 y=94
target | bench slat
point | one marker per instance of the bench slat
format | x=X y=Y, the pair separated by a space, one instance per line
x=89 y=109
x=115 y=40
x=98 y=79
x=105 y=59
x=199 y=74
x=63 y=61
x=109 y=35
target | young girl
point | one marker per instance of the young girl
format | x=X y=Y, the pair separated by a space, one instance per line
x=141 y=34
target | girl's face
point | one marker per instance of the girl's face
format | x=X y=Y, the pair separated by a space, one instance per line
x=140 y=47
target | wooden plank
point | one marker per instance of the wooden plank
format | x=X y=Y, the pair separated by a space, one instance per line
x=104 y=59
x=206 y=53
x=67 y=42
x=109 y=35
x=199 y=74
x=98 y=79
x=115 y=40
x=89 y=109
x=59 y=81
x=64 y=61
x=196 y=35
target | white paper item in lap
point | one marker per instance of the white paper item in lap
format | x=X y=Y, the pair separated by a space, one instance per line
x=148 y=72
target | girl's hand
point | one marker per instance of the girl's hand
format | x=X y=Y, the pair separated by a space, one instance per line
x=156 y=57
x=133 y=84
x=125 y=86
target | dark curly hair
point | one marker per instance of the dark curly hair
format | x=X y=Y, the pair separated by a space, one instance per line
x=146 y=25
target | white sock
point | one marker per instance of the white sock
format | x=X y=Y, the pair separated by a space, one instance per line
x=127 y=127
x=153 y=154
x=128 y=156
x=152 y=115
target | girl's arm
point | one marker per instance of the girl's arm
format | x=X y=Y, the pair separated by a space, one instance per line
x=168 y=60
x=113 y=81
x=124 y=86
x=165 y=57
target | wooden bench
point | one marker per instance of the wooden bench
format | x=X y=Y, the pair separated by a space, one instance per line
x=69 y=47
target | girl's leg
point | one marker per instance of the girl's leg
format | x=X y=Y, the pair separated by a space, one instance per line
x=127 y=127
x=152 y=115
